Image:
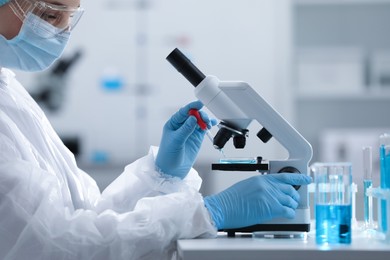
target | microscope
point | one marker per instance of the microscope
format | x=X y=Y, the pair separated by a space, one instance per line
x=236 y=104
x=52 y=84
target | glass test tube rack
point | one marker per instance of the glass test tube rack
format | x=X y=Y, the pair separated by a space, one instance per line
x=382 y=197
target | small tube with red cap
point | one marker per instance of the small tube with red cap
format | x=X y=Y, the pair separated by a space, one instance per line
x=201 y=123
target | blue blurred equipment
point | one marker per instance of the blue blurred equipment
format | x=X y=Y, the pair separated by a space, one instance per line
x=3 y=2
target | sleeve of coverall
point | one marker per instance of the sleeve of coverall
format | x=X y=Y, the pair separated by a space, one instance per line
x=133 y=184
x=35 y=223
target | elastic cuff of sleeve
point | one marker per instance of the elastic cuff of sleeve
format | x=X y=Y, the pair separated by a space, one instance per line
x=215 y=217
x=161 y=182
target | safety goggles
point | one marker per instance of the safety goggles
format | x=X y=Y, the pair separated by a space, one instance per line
x=62 y=18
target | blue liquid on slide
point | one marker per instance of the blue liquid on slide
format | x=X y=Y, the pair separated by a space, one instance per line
x=333 y=224
x=367 y=184
x=384 y=182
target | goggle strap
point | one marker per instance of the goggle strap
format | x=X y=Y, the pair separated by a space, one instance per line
x=18 y=9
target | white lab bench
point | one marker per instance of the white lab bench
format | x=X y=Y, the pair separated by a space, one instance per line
x=245 y=247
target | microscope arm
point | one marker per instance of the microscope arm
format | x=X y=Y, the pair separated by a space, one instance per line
x=256 y=108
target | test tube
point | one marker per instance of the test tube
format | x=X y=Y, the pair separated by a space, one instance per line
x=203 y=126
x=384 y=154
x=367 y=183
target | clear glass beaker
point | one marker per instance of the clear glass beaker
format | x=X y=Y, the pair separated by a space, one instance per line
x=333 y=202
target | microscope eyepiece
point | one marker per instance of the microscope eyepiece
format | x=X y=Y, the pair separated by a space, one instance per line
x=185 y=67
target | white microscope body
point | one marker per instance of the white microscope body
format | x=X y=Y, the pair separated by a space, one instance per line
x=237 y=104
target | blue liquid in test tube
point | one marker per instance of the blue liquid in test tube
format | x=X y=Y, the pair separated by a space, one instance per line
x=367 y=183
x=333 y=203
x=384 y=154
x=335 y=224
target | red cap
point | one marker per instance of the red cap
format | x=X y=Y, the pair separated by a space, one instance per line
x=201 y=123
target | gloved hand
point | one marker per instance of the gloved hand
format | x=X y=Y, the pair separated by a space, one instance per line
x=181 y=141
x=255 y=200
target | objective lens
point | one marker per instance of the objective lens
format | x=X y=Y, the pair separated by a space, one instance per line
x=239 y=141
x=223 y=135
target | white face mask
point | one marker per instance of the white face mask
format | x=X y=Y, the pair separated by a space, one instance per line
x=31 y=50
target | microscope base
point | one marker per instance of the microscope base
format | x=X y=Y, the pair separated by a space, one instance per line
x=269 y=227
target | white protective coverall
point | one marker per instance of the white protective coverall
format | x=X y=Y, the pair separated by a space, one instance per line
x=51 y=209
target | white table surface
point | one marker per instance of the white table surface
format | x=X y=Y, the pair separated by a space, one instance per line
x=246 y=246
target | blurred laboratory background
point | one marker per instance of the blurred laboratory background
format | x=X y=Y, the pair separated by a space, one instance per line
x=322 y=64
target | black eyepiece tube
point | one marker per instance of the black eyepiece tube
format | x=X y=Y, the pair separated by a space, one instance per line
x=185 y=67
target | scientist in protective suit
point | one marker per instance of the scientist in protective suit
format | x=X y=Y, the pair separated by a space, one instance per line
x=51 y=209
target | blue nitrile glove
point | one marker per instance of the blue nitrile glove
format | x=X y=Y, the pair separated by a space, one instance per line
x=181 y=141
x=255 y=200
